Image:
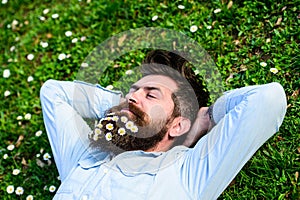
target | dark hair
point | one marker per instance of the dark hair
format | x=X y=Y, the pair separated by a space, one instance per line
x=191 y=93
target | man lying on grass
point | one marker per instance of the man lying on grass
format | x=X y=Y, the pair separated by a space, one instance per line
x=133 y=150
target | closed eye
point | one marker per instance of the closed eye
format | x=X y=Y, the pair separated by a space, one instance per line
x=151 y=96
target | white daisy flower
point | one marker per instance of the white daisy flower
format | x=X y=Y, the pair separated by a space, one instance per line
x=209 y=27
x=62 y=56
x=6 y=73
x=16 y=172
x=124 y=119
x=129 y=72
x=68 y=33
x=42 y=18
x=10 y=189
x=99 y=125
x=44 y=44
x=134 y=129
x=5 y=156
x=4 y=1
x=29 y=197
x=217 y=10
x=108 y=136
x=19 y=190
x=109 y=126
x=74 y=40
x=30 y=78
x=38 y=155
x=129 y=125
x=274 y=70
x=181 y=7
x=46 y=11
x=27 y=116
x=52 y=188
x=154 y=18
x=98 y=131
x=84 y=65
x=30 y=56
x=12 y=48
x=115 y=118
x=10 y=147
x=121 y=131
x=197 y=71
x=19 y=117
x=7 y=93
x=46 y=156
x=15 y=22
x=268 y=40
x=109 y=87
x=82 y=38
x=38 y=133
x=55 y=16
x=263 y=64
x=193 y=28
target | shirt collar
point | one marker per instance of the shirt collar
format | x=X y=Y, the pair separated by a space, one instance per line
x=133 y=163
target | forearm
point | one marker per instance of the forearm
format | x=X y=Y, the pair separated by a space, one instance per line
x=90 y=101
x=64 y=105
x=268 y=99
x=245 y=118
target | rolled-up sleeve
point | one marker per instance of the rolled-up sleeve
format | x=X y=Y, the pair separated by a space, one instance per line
x=65 y=105
x=245 y=119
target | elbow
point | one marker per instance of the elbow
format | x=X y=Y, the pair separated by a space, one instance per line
x=47 y=91
x=276 y=103
x=278 y=96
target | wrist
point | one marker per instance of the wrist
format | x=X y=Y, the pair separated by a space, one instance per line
x=210 y=113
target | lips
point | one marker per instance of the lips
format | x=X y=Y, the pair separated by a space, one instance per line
x=127 y=111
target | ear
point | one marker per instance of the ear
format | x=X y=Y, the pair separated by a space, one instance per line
x=179 y=126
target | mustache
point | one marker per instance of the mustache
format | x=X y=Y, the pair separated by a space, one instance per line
x=139 y=117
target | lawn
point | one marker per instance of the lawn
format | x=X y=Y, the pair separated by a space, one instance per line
x=251 y=42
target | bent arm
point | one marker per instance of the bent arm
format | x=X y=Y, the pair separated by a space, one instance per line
x=90 y=101
x=64 y=106
x=245 y=118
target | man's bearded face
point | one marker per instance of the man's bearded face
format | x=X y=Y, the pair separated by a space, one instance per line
x=126 y=127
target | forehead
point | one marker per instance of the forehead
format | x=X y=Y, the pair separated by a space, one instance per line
x=160 y=81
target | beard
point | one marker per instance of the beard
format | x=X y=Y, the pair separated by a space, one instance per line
x=120 y=131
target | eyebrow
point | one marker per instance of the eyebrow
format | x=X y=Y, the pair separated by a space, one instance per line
x=149 y=88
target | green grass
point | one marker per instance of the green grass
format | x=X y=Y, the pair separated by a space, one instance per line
x=239 y=39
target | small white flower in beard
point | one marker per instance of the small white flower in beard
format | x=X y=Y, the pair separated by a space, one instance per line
x=134 y=129
x=98 y=131
x=124 y=119
x=115 y=118
x=109 y=126
x=108 y=136
x=129 y=125
x=121 y=131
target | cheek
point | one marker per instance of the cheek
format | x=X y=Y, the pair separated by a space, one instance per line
x=158 y=112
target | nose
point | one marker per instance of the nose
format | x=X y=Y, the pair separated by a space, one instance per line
x=135 y=96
